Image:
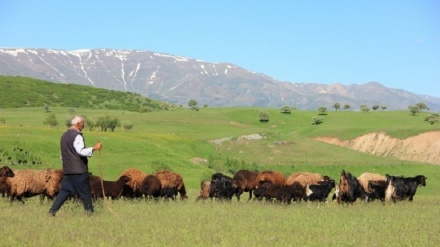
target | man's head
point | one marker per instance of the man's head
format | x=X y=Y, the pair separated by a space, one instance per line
x=77 y=122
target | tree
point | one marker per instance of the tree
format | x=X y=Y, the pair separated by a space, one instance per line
x=51 y=120
x=322 y=110
x=337 y=106
x=285 y=109
x=422 y=106
x=89 y=123
x=192 y=103
x=384 y=107
x=413 y=109
x=432 y=119
x=346 y=106
x=365 y=108
x=375 y=107
x=107 y=122
x=264 y=117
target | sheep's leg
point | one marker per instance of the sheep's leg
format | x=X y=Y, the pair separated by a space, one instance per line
x=250 y=195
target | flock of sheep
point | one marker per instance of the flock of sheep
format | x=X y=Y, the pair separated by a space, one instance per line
x=132 y=183
x=265 y=185
x=307 y=186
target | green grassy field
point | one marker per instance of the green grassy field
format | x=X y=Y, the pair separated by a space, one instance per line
x=172 y=138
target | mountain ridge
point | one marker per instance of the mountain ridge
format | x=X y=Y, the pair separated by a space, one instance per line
x=177 y=79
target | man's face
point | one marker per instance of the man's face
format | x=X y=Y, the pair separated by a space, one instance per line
x=81 y=125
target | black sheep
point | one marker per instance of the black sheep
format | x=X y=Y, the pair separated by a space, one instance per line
x=221 y=187
x=401 y=188
x=377 y=190
x=320 y=191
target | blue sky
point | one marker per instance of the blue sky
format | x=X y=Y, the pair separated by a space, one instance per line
x=395 y=43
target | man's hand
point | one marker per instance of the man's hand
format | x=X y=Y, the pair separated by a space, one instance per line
x=97 y=146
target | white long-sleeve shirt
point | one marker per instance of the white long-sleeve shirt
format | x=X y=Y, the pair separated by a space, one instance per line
x=78 y=144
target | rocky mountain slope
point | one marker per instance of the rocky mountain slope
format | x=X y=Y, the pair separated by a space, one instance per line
x=178 y=79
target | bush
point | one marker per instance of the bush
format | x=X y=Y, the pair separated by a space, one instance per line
x=51 y=120
x=317 y=120
x=432 y=119
x=264 y=117
x=286 y=109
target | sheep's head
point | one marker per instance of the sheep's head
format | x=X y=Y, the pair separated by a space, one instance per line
x=421 y=180
x=5 y=171
x=343 y=184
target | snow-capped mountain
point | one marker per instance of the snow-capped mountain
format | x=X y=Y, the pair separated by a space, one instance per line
x=178 y=79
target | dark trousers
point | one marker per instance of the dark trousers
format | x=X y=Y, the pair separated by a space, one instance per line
x=74 y=184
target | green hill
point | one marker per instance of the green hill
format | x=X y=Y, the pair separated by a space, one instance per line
x=18 y=92
x=198 y=143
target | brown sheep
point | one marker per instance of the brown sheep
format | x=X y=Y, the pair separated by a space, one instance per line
x=112 y=189
x=205 y=186
x=272 y=177
x=366 y=177
x=306 y=178
x=5 y=172
x=28 y=183
x=132 y=189
x=171 y=181
x=151 y=187
x=244 y=181
x=53 y=182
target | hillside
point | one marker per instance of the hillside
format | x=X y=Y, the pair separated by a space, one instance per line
x=424 y=147
x=178 y=79
x=18 y=92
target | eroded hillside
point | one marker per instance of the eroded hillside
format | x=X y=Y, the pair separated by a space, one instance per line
x=423 y=148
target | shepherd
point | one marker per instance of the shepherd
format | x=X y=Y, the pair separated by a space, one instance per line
x=74 y=158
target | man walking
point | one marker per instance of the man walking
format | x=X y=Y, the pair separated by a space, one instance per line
x=74 y=155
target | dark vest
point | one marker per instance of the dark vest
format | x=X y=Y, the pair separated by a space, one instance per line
x=73 y=163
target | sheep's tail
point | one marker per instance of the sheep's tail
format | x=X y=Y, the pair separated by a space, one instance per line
x=102 y=185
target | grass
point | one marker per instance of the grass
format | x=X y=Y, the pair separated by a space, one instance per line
x=140 y=223
x=172 y=138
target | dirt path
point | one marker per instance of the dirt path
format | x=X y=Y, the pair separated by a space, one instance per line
x=424 y=147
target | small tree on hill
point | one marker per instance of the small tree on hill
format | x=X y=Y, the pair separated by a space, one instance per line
x=337 y=106
x=375 y=107
x=384 y=107
x=422 y=106
x=192 y=103
x=107 y=122
x=365 y=108
x=322 y=110
x=346 y=106
x=413 y=109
